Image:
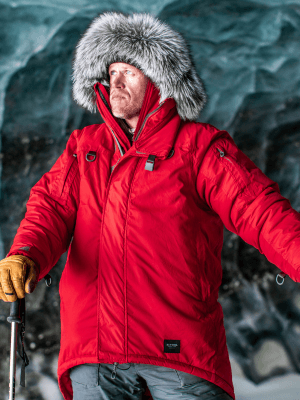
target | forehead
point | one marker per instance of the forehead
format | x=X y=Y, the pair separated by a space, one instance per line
x=122 y=66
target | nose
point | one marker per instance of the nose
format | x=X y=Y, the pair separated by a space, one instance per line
x=117 y=81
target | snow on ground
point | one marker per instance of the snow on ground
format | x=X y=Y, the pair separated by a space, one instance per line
x=286 y=387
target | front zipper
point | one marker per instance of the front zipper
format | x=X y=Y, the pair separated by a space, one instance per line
x=122 y=152
x=145 y=120
x=113 y=167
x=100 y=251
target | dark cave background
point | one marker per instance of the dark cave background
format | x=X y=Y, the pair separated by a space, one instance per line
x=248 y=55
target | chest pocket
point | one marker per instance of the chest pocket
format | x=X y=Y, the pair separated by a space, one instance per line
x=64 y=180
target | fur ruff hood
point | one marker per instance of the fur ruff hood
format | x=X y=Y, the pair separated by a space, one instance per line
x=146 y=43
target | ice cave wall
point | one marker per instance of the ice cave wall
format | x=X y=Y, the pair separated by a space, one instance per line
x=248 y=55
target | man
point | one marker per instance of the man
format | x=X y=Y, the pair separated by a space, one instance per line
x=140 y=201
x=127 y=90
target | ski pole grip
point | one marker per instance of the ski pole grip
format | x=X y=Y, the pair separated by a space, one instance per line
x=15 y=312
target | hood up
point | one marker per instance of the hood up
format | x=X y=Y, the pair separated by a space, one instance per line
x=146 y=43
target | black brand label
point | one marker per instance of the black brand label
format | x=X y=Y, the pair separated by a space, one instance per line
x=171 y=346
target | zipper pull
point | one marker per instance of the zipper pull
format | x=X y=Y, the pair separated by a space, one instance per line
x=222 y=154
x=114 y=373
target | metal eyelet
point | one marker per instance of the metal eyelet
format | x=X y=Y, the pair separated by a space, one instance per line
x=171 y=154
x=91 y=154
x=282 y=276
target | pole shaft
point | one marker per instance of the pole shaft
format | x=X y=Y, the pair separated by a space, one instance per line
x=13 y=353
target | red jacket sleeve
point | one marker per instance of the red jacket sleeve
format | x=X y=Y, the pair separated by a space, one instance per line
x=46 y=231
x=250 y=204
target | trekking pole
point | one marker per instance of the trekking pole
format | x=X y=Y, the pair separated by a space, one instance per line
x=17 y=316
x=14 y=319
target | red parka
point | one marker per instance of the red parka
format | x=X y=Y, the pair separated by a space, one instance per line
x=144 y=262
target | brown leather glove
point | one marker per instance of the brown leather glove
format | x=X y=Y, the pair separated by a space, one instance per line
x=18 y=274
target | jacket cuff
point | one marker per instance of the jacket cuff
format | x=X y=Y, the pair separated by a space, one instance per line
x=32 y=253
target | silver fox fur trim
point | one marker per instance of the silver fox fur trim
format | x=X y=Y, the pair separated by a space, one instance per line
x=145 y=42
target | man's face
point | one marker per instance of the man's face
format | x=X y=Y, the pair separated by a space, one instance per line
x=127 y=89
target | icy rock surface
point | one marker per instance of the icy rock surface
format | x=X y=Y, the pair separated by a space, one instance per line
x=248 y=55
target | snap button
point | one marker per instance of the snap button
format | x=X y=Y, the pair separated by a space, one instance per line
x=91 y=156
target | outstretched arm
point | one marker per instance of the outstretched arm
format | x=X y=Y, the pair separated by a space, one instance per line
x=250 y=204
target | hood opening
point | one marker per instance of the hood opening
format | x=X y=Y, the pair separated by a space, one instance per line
x=153 y=116
x=150 y=103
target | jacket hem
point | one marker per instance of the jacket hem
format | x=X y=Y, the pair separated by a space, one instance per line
x=66 y=386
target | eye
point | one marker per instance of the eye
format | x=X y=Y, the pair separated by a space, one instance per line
x=128 y=72
x=113 y=72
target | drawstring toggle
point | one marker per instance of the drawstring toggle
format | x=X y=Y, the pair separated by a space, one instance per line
x=114 y=372
x=150 y=163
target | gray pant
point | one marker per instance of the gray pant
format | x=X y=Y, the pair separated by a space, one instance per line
x=128 y=381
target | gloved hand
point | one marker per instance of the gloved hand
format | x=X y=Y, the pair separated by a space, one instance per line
x=18 y=274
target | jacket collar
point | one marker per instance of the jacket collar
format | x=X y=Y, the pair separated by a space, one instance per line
x=156 y=128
